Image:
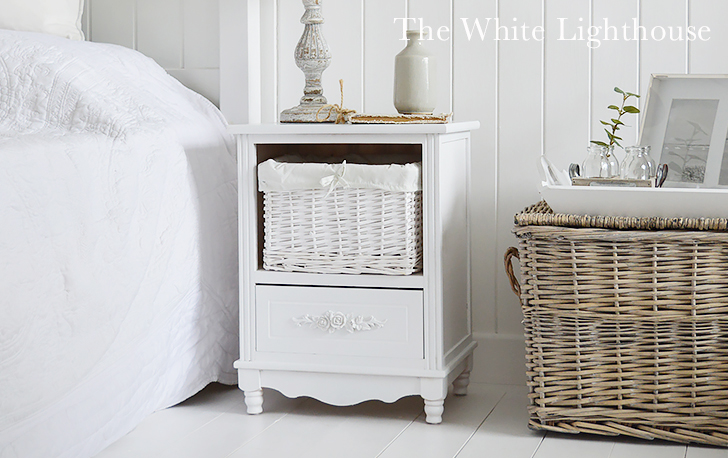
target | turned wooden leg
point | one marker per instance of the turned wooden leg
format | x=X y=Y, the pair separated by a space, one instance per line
x=434 y=391
x=254 y=401
x=460 y=384
x=434 y=409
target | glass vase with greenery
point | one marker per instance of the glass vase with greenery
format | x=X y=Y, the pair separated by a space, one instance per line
x=601 y=161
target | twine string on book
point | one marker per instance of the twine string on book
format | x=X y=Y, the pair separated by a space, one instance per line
x=341 y=112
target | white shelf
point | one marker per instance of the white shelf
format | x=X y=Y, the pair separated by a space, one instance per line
x=268 y=277
x=348 y=129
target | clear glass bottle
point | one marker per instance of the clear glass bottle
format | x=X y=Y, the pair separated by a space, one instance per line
x=638 y=165
x=653 y=163
x=600 y=162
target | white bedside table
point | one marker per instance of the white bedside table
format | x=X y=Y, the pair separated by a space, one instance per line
x=424 y=340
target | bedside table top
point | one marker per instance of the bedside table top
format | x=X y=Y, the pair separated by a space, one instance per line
x=333 y=129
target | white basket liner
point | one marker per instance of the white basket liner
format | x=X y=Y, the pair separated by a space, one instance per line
x=284 y=176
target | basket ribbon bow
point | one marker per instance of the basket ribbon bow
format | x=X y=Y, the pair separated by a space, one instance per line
x=335 y=180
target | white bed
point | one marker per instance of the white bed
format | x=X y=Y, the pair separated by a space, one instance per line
x=118 y=264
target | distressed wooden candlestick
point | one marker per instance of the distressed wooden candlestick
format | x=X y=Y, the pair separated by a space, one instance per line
x=312 y=57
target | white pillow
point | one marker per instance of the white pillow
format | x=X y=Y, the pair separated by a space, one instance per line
x=57 y=17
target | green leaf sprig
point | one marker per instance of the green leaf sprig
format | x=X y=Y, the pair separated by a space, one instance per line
x=616 y=122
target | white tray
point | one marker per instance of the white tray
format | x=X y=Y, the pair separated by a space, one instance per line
x=639 y=202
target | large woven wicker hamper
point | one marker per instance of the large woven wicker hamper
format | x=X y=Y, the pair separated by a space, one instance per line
x=343 y=229
x=626 y=324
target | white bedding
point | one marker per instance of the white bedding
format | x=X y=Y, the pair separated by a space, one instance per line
x=118 y=265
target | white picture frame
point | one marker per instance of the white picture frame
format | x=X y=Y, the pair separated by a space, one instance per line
x=685 y=121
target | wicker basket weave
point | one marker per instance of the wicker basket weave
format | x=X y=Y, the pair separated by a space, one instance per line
x=626 y=330
x=349 y=230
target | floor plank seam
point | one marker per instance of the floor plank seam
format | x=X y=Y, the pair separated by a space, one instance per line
x=479 y=425
x=234 y=405
x=540 y=443
x=611 y=450
x=389 y=444
x=489 y=424
x=303 y=401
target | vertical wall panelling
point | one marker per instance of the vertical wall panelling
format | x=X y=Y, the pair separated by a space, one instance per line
x=343 y=33
x=614 y=64
x=112 y=21
x=268 y=60
x=708 y=57
x=687 y=42
x=474 y=98
x=665 y=56
x=201 y=48
x=291 y=80
x=438 y=16
x=183 y=36
x=637 y=81
x=566 y=88
x=239 y=53
x=205 y=81
x=543 y=74
x=519 y=134
x=382 y=41
x=86 y=20
x=159 y=31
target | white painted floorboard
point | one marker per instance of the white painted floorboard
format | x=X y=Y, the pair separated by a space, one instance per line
x=491 y=421
x=504 y=433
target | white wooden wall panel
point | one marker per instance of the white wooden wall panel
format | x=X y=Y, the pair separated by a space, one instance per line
x=112 y=21
x=86 y=20
x=614 y=63
x=181 y=35
x=201 y=45
x=206 y=81
x=343 y=33
x=709 y=56
x=290 y=78
x=566 y=84
x=438 y=16
x=519 y=142
x=159 y=31
x=474 y=97
x=381 y=45
x=239 y=23
x=269 y=60
x=664 y=56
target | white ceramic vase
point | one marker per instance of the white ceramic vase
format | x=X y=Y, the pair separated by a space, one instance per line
x=414 y=77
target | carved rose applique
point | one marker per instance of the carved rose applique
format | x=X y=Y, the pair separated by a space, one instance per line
x=332 y=321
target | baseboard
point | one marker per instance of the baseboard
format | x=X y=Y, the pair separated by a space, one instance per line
x=499 y=359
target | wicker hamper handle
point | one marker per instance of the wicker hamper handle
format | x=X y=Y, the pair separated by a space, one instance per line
x=511 y=253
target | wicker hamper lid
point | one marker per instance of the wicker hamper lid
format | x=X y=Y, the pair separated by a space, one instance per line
x=541 y=214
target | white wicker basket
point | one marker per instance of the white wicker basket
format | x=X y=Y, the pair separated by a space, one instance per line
x=343 y=230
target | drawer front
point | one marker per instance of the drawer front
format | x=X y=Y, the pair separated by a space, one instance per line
x=385 y=323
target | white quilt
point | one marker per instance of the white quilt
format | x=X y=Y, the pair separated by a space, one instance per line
x=118 y=264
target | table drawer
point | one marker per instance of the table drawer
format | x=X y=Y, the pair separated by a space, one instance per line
x=385 y=323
